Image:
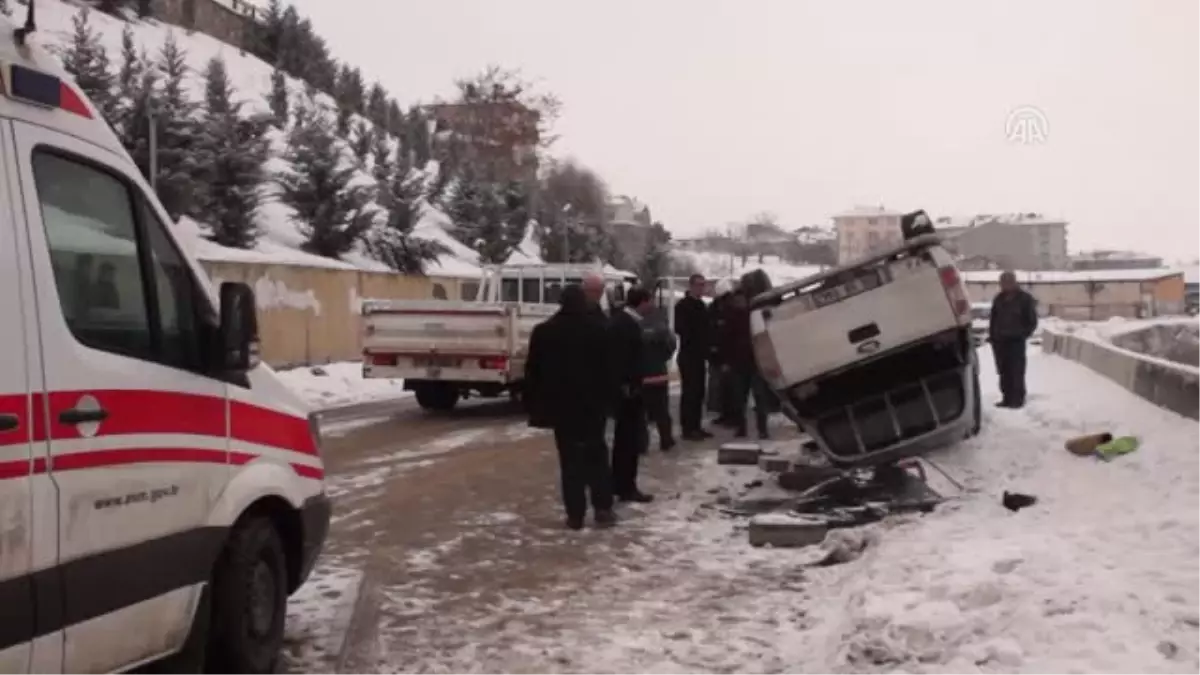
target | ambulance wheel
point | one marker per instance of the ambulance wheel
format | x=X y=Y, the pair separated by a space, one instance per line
x=249 y=600
x=437 y=396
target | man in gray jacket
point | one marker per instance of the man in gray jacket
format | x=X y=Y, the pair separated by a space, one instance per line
x=1013 y=321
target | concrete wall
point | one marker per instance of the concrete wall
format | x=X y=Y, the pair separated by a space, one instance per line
x=311 y=315
x=222 y=21
x=1172 y=341
x=1168 y=385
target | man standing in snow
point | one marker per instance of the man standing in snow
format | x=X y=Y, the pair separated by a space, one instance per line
x=568 y=388
x=694 y=328
x=1012 y=323
x=627 y=363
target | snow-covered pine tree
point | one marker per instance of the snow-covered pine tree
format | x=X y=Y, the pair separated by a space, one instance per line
x=232 y=150
x=137 y=99
x=360 y=140
x=175 y=116
x=393 y=242
x=87 y=61
x=278 y=98
x=656 y=260
x=395 y=119
x=332 y=212
x=381 y=155
x=480 y=212
x=416 y=135
x=377 y=107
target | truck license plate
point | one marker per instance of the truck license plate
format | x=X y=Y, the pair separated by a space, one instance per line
x=438 y=362
x=829 y=296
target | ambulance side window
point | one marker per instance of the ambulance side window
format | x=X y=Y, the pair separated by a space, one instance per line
x=122 y=288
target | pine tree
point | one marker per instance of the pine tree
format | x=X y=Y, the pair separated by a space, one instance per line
x=656 y=260
x=331 y=211
x=416 y=135
x=136 y=103
x=381 y=151
x=175 y=115
x=144 y=10
x=351 y=91
x=395 y=119
x=232 y=150
x=481 y=215
x=393 y=243
x=278 y=98
x=360 y=142
x=377 y=107
x=88 y=63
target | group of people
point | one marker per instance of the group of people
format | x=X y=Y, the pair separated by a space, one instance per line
x=586 y=365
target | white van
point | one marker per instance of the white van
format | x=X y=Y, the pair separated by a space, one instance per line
x=161 y=493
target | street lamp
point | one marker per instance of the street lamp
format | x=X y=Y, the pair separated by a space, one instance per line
x=566 y=211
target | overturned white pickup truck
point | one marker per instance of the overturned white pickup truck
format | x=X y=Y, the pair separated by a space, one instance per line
x=874 y=359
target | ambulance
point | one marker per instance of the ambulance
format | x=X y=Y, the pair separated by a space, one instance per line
x=161 y=492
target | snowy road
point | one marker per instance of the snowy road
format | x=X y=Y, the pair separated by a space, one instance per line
x=447 y=550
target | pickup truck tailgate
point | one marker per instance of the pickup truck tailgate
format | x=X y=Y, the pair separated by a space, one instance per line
x=848 y=316
x=472 y=331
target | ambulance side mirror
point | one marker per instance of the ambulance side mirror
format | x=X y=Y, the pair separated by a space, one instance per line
x=239 y=327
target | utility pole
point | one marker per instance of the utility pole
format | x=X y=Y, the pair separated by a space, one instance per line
x=153 y=124
x=566 y=230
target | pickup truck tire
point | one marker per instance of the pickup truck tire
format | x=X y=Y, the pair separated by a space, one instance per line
x=249 y=600
x=437 y=396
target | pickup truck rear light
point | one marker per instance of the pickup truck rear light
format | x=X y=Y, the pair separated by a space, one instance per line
x=955 y=292
x=493 y=362
x=382 y=359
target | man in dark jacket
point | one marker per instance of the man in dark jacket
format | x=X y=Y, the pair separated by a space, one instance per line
x=1012 y=322
x=738 y=356
x=720 y=391
x=568 y=387
x=627 y=363
x=658 y=345
x=694 y=327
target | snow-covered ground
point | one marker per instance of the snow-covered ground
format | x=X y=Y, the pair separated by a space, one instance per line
x=338 y=384
x=1100 y=575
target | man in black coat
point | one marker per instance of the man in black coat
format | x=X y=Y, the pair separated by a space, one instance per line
x=630 y=435
x=694 y=328
x=1013 y=321
x=568 y=388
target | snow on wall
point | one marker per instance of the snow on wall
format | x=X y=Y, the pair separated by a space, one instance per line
x=273 y=294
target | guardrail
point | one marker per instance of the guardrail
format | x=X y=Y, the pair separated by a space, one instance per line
x=1169 y=385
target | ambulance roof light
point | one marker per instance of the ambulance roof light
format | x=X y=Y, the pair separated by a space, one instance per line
x=44 y=89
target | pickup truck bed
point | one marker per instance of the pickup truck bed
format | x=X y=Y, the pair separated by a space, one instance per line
x=873 y=359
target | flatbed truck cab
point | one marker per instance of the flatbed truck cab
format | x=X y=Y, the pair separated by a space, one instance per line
x=161 y=491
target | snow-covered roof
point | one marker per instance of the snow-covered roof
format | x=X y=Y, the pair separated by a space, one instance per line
x=527 y=252
x=949 y=222
x=1102 y=254
x=1191 y=274
x=860 y=211
x=1073 y=276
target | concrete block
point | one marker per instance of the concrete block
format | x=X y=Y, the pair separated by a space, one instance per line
x=745 y=454
x=783 y=530
x=774 y=464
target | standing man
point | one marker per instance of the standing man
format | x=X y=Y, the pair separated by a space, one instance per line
x=629 y=432
x=742 y=371
x=593 y=290
x=719 y=395
x=658 y=346
x=568 y=388
x=1012 y=322
x=694 y=328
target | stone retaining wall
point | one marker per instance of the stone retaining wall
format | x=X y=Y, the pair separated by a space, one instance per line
x=1173 y=386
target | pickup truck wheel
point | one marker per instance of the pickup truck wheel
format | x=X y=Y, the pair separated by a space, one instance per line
x=249 y=595
x=438 y=396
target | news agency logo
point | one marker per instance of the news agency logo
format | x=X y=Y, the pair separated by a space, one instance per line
x=1026 y=125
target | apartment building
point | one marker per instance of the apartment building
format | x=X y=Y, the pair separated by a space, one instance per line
x=1025 y=241
x=865 y=229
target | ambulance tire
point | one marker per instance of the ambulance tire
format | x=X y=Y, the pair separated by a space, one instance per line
x=249 y=600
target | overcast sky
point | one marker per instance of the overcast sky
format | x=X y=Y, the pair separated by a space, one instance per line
x=710 y=110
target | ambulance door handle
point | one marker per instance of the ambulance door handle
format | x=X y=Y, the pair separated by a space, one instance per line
x=9 y=422
x=77 y=416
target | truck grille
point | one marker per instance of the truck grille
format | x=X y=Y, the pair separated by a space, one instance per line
x=900 y=414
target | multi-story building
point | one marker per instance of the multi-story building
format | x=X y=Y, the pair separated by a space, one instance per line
x=1114 y=260
x=865 y=229
x=1024 y=241
x=499 y=138
x=629 y=222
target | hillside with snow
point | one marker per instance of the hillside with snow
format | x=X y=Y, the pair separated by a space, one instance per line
x=280 y=241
